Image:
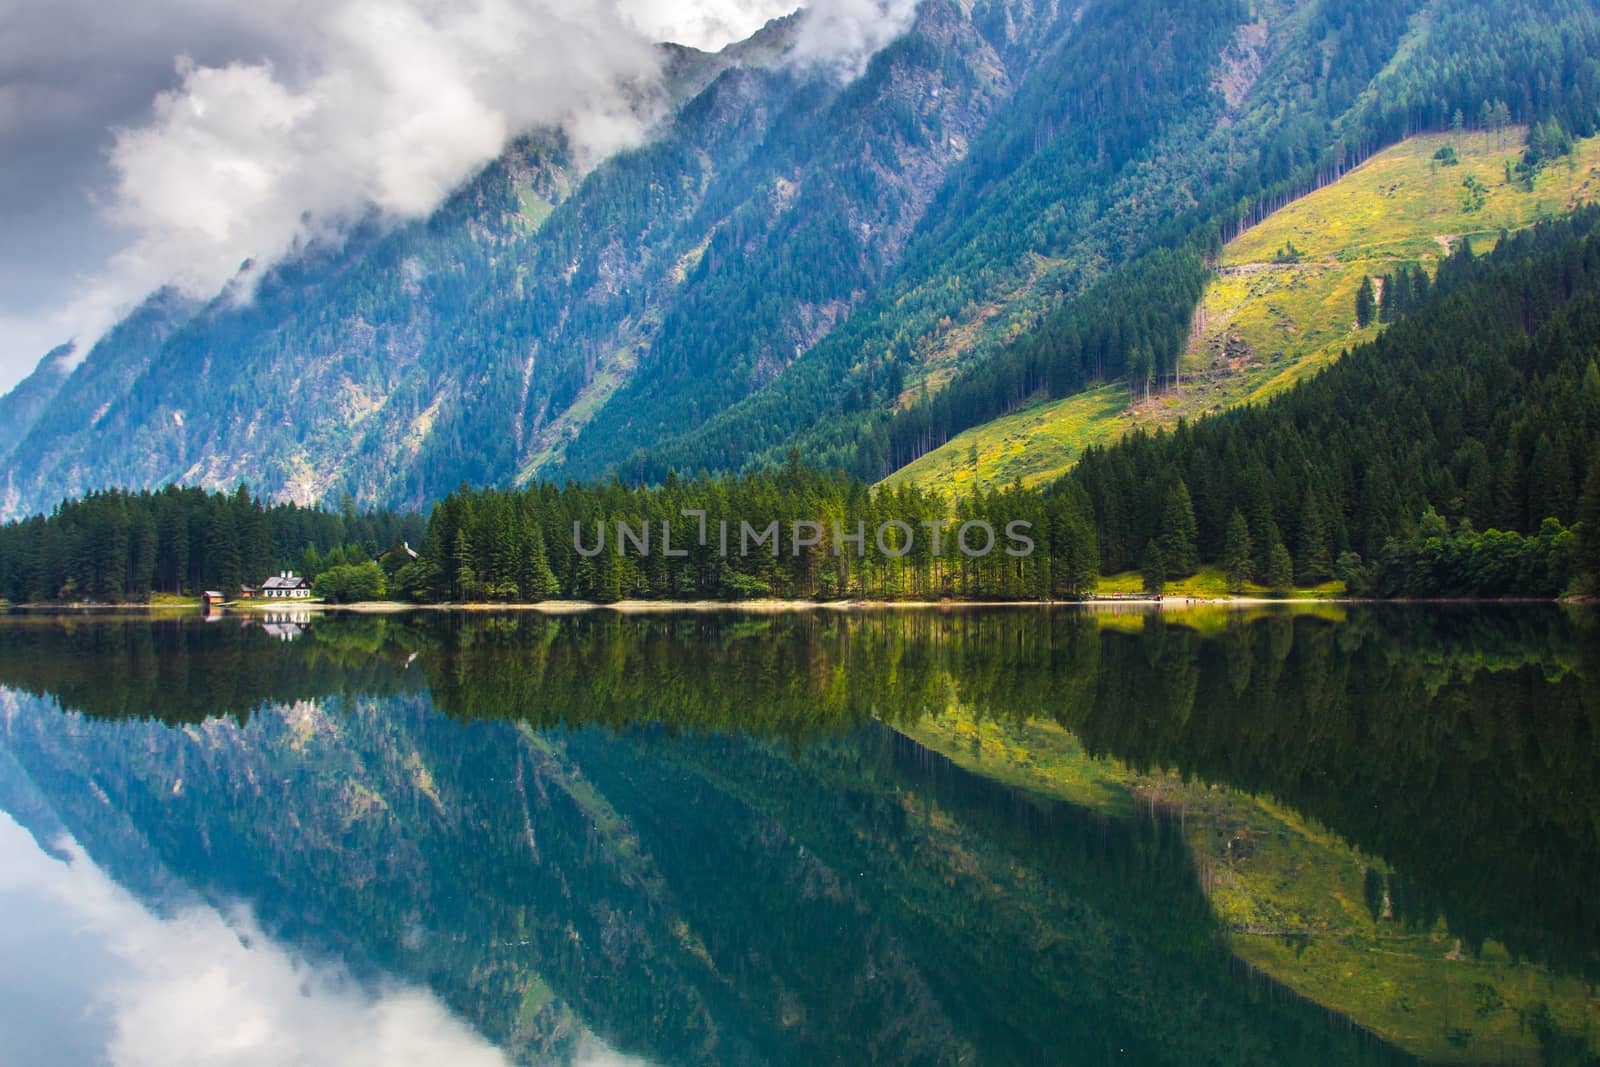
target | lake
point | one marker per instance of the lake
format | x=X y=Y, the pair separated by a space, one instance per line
x=1009 y=836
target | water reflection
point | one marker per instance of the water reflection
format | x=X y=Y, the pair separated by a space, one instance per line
x=127 y=986
x=1015 y=836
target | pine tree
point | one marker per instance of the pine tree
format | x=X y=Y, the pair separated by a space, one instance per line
x=1420 y=287
x=1398 y=294
x=538 y=581
x=1237 y=564
x=1280 y=569
x=222 y=567
x=1154 y=568
x=465 y=566
x=1315 y=562
x=1589 y=513
x=1270 y=539
x=1550 y=480
x=1074 y=544
x=142 y=555
x=1178 y=532
x=1509 y=492
x=1366 y=303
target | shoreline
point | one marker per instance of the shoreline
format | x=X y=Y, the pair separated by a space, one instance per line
x=763 y=606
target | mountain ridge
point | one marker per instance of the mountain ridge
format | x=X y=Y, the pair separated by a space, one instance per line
x=789 y=261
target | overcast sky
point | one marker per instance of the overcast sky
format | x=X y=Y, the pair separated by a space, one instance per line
x=167 y=140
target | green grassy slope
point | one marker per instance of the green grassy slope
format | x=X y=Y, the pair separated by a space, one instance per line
x=1264 y=325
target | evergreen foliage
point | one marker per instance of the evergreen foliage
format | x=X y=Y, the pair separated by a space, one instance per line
x=1237 y=565
x=114 y=545
x=1484 y=404
x=1366 y=304
x=1479 y=409
x=1018 y=195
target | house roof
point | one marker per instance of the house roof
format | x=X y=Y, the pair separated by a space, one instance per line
x=405 y=549
x=278 y=581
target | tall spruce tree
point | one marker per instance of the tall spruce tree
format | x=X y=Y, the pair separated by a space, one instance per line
x=1153 y=567
x=1366 y=303
x=1314 y=562
x=1178 y=532
x=1280 y=569
x=538 y=581
x=1238 y=566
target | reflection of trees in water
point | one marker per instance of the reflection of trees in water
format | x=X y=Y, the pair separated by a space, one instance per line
x=1476 y=784
x=1456 y=744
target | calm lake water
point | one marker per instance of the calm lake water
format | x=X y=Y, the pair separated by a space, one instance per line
x=1017 y=836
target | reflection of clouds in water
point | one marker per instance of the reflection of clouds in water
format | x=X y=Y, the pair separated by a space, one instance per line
x=594 y=1053
x=200 y=987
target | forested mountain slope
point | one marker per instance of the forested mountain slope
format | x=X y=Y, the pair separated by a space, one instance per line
x=472 y=346
x=1013 y=201
x=1447 y=457
x=20 y=408
x=1281 y=303
x=1292 y=107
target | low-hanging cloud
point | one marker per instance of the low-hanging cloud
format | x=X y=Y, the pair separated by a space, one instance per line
x=845 y=34
x=391 y=104
x=336 y=107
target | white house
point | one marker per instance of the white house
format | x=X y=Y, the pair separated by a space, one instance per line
x=285 y=585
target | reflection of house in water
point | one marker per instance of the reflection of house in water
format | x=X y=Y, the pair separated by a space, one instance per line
x=285 y=625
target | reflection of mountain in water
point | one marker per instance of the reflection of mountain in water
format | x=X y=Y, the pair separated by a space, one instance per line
x=740 y=866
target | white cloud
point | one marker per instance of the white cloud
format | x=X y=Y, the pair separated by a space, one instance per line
x=331 y=107
x=391 y=103
x=845 y=34
x=707 y=24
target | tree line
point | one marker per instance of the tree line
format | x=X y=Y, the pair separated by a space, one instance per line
x=116 y=545
x=1455 y=455
x=832 y=536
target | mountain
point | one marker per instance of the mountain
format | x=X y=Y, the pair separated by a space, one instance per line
x=21 y=408
x=68 y=431
x=857 y=269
